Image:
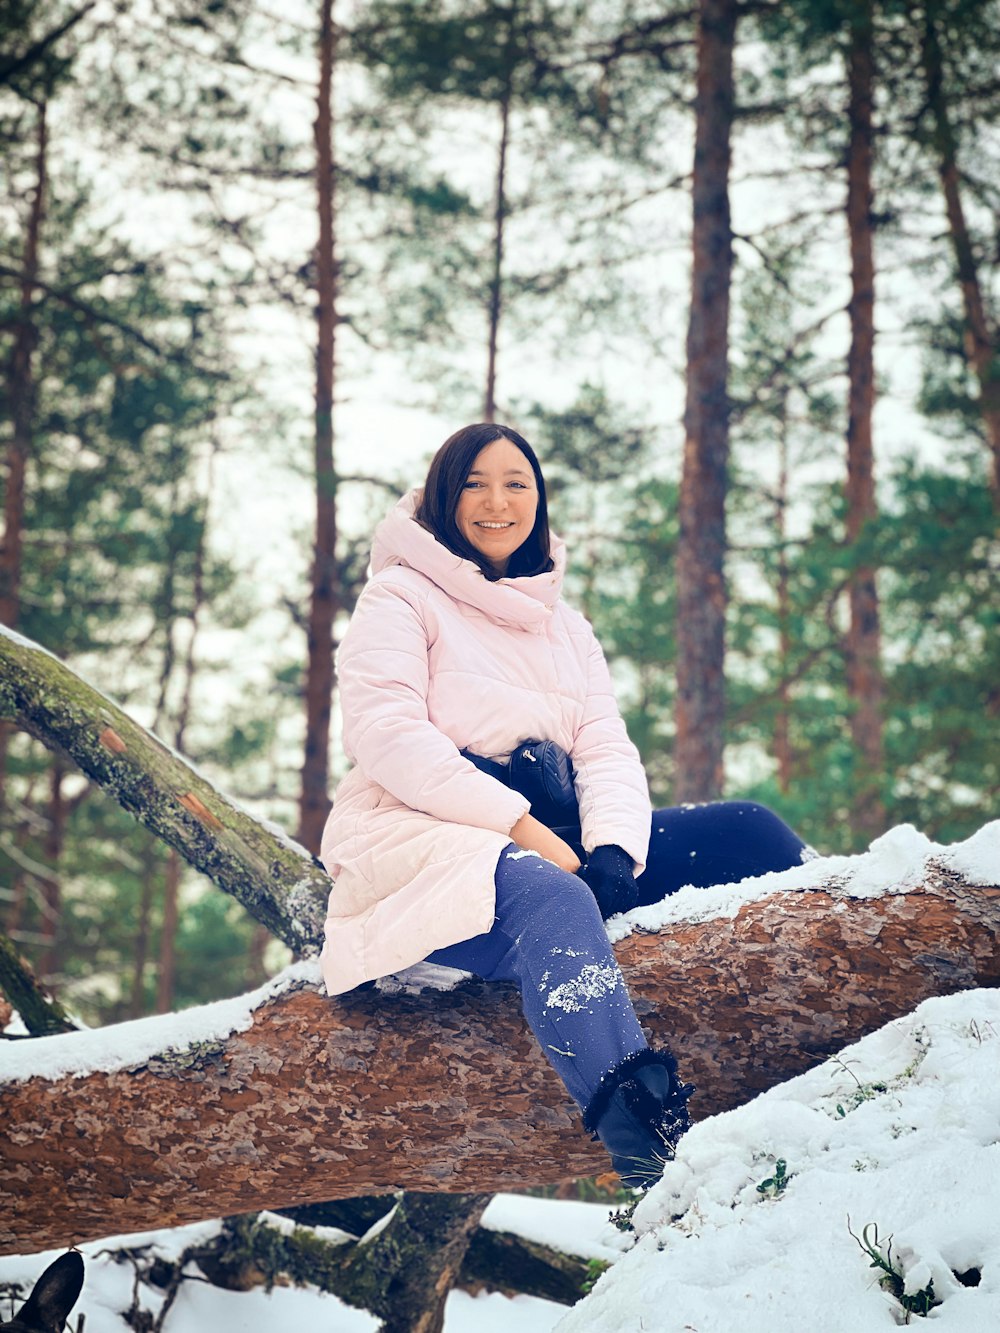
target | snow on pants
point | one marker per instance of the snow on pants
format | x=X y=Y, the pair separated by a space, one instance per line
x=549 y=938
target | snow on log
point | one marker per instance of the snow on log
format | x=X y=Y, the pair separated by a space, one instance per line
x=288 y=1097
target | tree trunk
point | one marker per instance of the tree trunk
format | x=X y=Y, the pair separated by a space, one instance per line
x=140 y=947
x=51 y=885
x=701 y=588
x=21 y=392
x=980 y=340
x=275 y=879
x=496 y=278
x=782 y=725
x=21 y=397
x=864 y=669
x=314 y=804
x=421 y=1253
x=167 y=963
x=171 y=1120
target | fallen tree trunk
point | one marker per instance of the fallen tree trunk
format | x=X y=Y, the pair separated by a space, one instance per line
x=447 y=1091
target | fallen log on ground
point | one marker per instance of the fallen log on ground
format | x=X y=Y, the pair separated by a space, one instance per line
x=445 y=1090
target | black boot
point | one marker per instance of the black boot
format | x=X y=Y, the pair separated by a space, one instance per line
x=639 y=1113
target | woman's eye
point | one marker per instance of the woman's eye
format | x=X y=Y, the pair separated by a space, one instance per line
x=518 y=485
x=471 y=485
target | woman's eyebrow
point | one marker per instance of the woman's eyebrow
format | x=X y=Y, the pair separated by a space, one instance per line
x=511 y=472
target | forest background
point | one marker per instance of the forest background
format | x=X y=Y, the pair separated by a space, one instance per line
x=726 y=265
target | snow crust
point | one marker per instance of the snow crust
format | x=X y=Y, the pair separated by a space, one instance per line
x=894 y=863
x=126 y=1045
x=421 y=976
x=978 y=858
x=568 y=1225
x=902 y=1129
x=286 y=1226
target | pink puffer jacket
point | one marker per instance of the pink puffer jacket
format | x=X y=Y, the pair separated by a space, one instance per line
x=437 y=659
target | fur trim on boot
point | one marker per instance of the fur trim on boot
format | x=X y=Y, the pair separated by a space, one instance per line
x=639 y=1112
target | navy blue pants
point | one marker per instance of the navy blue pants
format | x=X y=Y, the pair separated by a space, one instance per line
x=549 y=938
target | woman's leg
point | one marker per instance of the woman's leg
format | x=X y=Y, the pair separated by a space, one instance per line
x=549 y=937
x=715 y=844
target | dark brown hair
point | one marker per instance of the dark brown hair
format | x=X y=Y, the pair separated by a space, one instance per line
x=448 y=473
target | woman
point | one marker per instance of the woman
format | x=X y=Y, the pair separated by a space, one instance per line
x=460 y=642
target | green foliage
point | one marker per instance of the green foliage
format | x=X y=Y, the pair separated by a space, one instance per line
x=595 y=1269
x=893 y=1279
x=621 y=1218
x=775 y=1184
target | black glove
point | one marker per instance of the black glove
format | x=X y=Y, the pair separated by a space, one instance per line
x=608 y=874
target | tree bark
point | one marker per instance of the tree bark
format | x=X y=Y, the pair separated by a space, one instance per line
x=864 y=668
x=421 y=1253
x=314 y=803
x=701 y=588
x=447 y=1091
x=980 y=340
x=275 y=879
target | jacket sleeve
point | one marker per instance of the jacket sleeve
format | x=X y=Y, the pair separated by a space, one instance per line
x=610 y=781
x=383 y=677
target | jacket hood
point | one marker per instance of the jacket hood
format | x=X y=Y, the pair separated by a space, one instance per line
x=526 y=602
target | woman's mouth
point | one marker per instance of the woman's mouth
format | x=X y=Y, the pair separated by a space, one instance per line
x=493 y=527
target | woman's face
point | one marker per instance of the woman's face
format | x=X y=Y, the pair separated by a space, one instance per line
x=496 y=510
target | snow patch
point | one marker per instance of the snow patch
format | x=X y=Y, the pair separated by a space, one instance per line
x=126 y=1045
x=595 y=981
x=286 y=1226
x=977 y=859
x=420 y=977
x=894 y=863
x=899 y=1130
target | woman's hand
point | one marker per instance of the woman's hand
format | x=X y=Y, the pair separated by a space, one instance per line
x=609 y=874
x=533 y=836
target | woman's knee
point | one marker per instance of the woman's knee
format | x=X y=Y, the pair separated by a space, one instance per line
x=534 y=895
x=773 y=841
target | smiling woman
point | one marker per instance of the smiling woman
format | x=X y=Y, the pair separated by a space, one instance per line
x=499 y=501
x=484 y=498
x=460 y=657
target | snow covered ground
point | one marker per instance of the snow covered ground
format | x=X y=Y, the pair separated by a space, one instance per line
x=902 y=1130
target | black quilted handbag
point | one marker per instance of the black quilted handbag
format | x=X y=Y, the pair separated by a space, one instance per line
x=541 y=771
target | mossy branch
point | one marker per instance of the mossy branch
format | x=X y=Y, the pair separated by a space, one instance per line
x=277 y=881
x=41 y=1015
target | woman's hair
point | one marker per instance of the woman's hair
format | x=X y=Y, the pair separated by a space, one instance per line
x=449 y=471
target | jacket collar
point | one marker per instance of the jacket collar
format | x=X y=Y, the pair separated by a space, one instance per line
x=524 y=602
